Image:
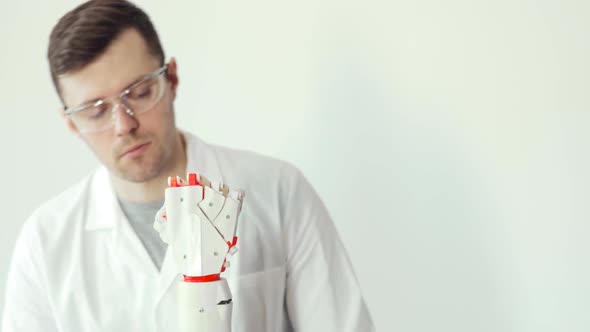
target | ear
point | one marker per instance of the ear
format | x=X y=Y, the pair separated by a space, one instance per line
x=173 y=76
x=69 y=123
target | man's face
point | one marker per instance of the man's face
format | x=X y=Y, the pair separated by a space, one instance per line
x=136 y=148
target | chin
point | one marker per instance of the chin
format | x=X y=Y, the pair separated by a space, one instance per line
x=139 y=170
x=140 y=175
x=137 y=177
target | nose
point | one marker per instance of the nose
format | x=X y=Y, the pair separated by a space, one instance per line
x=124 y=119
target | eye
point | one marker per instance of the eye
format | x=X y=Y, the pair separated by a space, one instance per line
x=97 y=112
x=94 y=112
x=142 y=91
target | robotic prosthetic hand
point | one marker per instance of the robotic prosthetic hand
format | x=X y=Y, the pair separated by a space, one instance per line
x=198 y=221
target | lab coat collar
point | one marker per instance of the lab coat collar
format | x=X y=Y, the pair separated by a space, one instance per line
x=102 y=203
x=201 y=158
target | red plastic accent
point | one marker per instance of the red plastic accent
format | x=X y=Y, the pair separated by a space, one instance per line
x=207 y=278
x=192 y=179
x=164 y=216
x=174 y=183
x=223 y=265
x=233 y=243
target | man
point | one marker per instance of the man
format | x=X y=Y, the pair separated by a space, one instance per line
x=89 y=259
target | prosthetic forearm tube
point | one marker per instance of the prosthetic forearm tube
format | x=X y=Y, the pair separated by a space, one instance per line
x=198 y=221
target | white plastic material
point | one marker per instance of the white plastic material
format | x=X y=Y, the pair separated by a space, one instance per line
x=199 y=225
x=200 y=308
x=201 y=228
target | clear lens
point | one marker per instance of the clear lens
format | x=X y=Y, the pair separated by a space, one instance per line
x=139 y=98
x=93 y=118
x=144 y=96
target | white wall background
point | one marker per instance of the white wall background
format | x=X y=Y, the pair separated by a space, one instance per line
x=448 y=139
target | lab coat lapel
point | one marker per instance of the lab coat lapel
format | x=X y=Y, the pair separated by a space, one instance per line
x=105 y=213
x=200 y=159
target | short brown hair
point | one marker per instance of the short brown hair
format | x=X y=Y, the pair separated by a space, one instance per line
x=85 y=32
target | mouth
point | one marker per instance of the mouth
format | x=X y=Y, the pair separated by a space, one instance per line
x=136 y=150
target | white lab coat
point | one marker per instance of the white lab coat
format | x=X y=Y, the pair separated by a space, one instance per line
x=78 y=265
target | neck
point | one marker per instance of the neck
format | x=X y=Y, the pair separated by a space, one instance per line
x=153 y=189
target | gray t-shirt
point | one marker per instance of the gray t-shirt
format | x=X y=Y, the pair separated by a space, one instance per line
x=141 y=217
